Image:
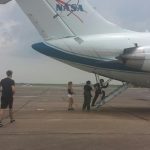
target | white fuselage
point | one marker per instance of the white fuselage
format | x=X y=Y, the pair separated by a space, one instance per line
x=106 y=47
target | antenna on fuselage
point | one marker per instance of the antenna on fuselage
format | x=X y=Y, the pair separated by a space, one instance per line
x=136 y=44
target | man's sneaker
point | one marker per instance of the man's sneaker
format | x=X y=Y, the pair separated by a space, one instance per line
x=13 y=120
x=1 y=125
x=72 y=109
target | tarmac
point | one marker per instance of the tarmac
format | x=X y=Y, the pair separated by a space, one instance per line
x=43 y=122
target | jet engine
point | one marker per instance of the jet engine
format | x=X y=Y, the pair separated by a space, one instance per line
x=136 y=57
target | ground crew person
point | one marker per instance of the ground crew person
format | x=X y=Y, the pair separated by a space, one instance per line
x=87 y=96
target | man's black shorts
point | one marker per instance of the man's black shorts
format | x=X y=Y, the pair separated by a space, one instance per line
x=6 y=101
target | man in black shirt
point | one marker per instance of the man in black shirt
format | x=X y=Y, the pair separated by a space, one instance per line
x=87 y=96
x=8 y=90
x=99 y=90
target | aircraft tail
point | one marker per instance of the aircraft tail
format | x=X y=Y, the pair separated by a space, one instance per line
x=64 y=18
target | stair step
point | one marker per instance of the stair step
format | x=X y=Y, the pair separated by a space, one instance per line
x=112 y=95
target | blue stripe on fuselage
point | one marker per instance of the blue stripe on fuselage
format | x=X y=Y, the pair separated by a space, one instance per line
x=54 y=52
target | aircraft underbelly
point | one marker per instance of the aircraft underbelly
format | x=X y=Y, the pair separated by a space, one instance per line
x=135 y=78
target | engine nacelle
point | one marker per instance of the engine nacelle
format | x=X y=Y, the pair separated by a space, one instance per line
x=136 y=57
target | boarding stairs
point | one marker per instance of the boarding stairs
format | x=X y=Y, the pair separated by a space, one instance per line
x=112 y=95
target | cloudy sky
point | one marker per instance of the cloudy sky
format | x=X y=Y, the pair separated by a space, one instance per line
x=17 y=34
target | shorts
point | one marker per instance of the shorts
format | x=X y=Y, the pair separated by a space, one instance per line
x=6 y=102
x=70 y=96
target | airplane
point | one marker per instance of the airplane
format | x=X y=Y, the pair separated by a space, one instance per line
x=76 y=34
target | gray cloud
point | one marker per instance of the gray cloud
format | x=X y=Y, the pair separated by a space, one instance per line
x=129 y=14
x=17 y=35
